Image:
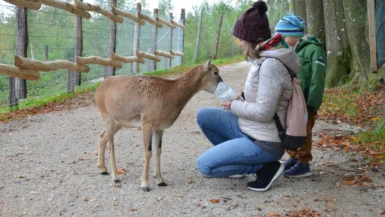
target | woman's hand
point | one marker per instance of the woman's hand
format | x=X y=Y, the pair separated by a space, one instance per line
x=226 y=105
x=238 y=96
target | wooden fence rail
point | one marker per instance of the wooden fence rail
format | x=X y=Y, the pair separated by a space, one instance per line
x=29 y=69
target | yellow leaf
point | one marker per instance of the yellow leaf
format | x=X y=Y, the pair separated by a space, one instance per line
x=376 y=119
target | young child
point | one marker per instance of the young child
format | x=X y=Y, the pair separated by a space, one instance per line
x=312 y=77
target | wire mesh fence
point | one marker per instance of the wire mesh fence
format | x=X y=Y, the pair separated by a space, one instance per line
x=7 y=46
x=51 y=36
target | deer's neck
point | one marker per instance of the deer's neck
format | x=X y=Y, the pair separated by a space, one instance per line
x=187 y=86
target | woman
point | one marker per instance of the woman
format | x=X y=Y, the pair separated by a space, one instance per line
x=244 y=134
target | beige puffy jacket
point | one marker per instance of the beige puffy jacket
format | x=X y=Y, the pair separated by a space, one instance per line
x=266 y=93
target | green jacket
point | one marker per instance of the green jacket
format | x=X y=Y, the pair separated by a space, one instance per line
x=313 y=70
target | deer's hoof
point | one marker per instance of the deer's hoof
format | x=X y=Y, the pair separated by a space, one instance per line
x=104 y=173
x=162 y=184
x=146 y=189
x=116 y=180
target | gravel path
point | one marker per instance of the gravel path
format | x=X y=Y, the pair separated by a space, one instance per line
x=48 y=165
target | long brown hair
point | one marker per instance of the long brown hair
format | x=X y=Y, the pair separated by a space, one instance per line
x=250 y=49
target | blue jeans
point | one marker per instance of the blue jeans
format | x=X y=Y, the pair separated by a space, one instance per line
x=233 y=152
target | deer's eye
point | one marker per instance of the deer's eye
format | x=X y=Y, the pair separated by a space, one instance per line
x=216 y=73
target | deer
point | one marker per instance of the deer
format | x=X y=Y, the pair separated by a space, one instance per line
x=149 y=103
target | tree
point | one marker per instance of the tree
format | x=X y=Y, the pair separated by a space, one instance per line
x=300 y=9
x=356 y=17
x=315 y=19
x=337 y=43
x=165 y=7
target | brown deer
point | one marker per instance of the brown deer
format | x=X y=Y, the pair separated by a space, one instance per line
x=150 y=103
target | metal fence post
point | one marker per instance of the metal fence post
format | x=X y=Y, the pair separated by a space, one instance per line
x=137 y=39
x=152 y=64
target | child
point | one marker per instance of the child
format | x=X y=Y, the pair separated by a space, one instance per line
x=312 y=77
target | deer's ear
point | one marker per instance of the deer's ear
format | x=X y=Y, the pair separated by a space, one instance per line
x=207 y=64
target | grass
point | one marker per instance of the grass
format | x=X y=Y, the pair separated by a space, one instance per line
x=364 y=109
x=8 y=112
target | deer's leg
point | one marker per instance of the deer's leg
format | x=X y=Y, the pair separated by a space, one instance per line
x=111 y=132
x=147 y=137
x=158 y=145
x=103 y=139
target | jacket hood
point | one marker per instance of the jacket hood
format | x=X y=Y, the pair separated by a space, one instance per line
x=308 y=40
x=287 y=56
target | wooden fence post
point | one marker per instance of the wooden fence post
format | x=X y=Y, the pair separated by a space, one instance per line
x=74 y=78
x=372 y=35
x=168 y=60
x=17 y=86
x=218 y=36
x=46 y=52
x=137 y=39
x=181 y=36
x=152 y=64
x=71 y=79
x=110 y=70
x=197 y=46
x=78 y=46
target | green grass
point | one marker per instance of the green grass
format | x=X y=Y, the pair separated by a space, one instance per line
x=39 y=102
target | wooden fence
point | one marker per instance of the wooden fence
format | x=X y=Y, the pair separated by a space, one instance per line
x=29 y=69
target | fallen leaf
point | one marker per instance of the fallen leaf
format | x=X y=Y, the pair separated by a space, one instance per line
x=381 y=213
x=8 y=158
x=376 y=119
x=20 y=177
x=116 y=203
x=191 y=182
x=118 y=185
x=214 y=201
x=134 y=210
x=83 y=159
x=180 y=196
x=274 y=214
x=121 y=171
x=331 y=207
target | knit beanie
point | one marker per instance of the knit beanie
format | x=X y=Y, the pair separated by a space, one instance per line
x=291 y=25
x=253 y=25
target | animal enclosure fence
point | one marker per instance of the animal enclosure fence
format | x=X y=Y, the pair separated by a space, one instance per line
x=147 y=41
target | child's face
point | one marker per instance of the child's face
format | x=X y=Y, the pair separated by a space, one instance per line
x=291 y=41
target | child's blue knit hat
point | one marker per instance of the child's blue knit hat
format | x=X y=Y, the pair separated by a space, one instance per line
x=291 y=25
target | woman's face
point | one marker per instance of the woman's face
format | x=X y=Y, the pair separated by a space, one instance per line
x=242 y=43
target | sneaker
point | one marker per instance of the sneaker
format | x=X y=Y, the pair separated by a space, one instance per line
x=237 y=176
x=290 y=163
x=266 y=176
x=298 y=170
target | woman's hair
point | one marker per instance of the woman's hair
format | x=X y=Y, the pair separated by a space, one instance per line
x=250 y=49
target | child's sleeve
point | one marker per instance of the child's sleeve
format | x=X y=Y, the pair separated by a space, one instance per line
x=317 y=83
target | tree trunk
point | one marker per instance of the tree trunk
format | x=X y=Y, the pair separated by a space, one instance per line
x=300 y=9
x=356 y=17
x=315 y=19
x=291 y=6
x=337 y=44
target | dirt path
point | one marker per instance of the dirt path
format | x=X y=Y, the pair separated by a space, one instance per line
x=48 y=168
